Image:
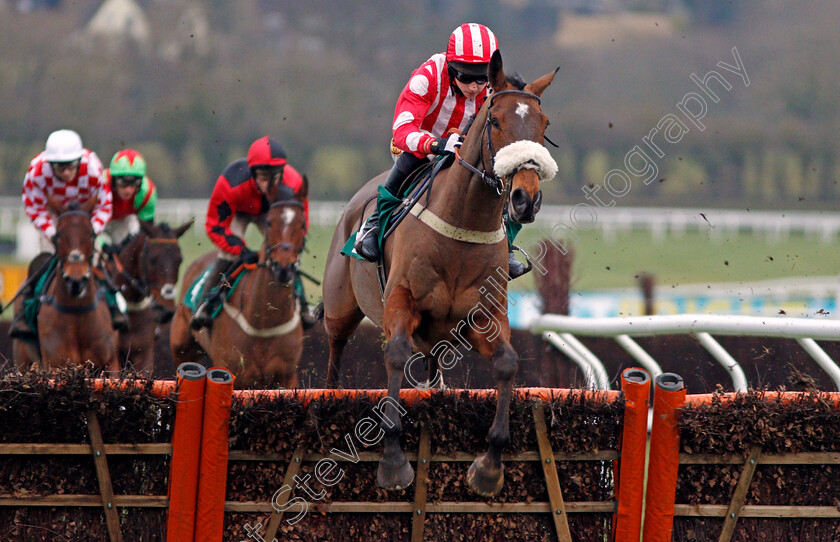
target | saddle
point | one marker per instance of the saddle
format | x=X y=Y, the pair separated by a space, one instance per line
x=393 y=209
x=193 y=299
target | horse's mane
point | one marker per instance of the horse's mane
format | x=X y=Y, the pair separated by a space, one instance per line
x=72 y=206
x=516 y=81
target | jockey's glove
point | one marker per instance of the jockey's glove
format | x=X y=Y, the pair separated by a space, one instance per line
x=248 y=256
x=445 y=145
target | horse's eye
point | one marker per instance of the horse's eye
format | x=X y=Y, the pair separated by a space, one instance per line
x=495 y=123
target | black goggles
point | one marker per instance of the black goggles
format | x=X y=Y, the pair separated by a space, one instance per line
x=274 y=173
x=127 y=180
x=468 y=78
x=58 y=167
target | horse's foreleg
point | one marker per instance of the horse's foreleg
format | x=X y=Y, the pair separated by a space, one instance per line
x=486 y=474
x=339 y=331
x=401 y=319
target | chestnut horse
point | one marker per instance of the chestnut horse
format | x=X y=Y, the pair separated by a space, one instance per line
x=74 y=322
x=438 y=262
x=258 y=335
x=145 y=269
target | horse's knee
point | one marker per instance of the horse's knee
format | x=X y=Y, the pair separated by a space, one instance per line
x=505 y=363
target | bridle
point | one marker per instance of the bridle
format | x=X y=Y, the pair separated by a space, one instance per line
x=75 y=256
x=269 y=263
x=141 y=283
x=501 y=186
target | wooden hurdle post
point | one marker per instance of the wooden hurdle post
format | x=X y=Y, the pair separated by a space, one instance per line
x=97 y=446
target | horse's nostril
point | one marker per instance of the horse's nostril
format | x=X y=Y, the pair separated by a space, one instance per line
x=537 y=202
x=520 y=200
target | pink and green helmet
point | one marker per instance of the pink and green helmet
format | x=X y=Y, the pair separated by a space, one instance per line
x=128 y=162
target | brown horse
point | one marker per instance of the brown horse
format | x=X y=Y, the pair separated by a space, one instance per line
x=258 y=336
x=145 y=269
x=74 y=322
x=439 y=261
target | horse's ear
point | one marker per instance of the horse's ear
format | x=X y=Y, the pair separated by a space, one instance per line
x=302 y=194
x=498 y=79
x=147 y=227
x=179 y=231
x=538 y=86
x=54 y=205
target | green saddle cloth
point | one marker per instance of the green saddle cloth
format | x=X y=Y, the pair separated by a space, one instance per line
x=32 y=305
x=387 y=204
x=193 y=298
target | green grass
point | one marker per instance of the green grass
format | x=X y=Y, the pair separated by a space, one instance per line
x=600 y=263
x=695 y=258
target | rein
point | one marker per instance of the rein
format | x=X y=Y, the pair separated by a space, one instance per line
x=141 y=284
x=269 y=263
x=73 y=309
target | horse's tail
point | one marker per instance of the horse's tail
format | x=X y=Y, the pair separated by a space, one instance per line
x=318 y=311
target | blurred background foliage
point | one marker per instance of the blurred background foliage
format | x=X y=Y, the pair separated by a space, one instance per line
x=190 y=84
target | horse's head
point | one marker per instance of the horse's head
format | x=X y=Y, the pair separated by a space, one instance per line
x=511 y=141
x=74 y=244
x=284 y=234
x=160 y=262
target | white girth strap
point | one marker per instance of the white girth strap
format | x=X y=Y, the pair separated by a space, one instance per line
x=454 y=232
x=141 y=305
x=524 y=155
x=251 y=331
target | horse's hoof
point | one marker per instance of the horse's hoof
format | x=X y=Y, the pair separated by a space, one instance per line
x=399 y=477
x=486 y=481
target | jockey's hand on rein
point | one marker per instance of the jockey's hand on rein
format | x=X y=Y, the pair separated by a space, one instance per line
x=248 y=256
x=445 y=145
x=109 y=249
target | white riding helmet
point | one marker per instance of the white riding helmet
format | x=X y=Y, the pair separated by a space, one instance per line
x=63 y=146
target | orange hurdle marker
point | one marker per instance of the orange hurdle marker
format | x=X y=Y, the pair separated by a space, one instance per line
x=630 y=481
x=664 y=462
x=186 y=442
x=213 y=465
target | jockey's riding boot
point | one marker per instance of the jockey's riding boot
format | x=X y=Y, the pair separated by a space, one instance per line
x=367 y=240
x=203 y=316
x=516 y=268
x=119 y=320
x=19 y=328
x=307 y=319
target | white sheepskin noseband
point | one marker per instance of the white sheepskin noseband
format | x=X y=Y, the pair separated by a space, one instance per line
x=525 y=154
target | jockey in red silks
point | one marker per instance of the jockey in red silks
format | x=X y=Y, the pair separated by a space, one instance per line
x=239 y=198
x=68 y=173
x=433 y=109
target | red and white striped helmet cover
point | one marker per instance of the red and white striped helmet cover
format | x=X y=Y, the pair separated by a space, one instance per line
x=471 y=43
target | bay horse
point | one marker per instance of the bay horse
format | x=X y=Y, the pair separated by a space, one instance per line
x=438 y=266
x=258 y=336
x=74 y=322
x=145 y=270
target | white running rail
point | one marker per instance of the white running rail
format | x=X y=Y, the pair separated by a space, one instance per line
x=804 y=330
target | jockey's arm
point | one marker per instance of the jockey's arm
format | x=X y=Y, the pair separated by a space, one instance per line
x=220 y=214
x=34 y=203
x=146 y=200
x=294 y=180
x=104 y=198
x=413 y=104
